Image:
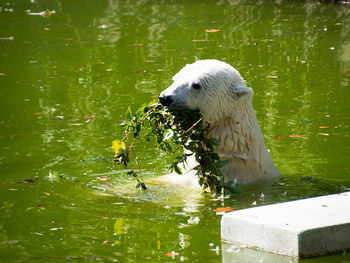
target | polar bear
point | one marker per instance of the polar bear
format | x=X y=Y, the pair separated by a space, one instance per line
x=225 y=102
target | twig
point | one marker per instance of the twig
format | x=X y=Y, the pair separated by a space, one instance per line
x=143 y=117
x=194 y=125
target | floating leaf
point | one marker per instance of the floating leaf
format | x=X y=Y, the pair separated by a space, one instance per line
x=200 y=40
x=296 y=136
x=76 y=124
x=280 y=137
x=27 y=181
x=103 y=26
x=172 y=254
x=223 y=209
x=212 y=30
x=324 y=134
x=56 y=228
x=43 y=13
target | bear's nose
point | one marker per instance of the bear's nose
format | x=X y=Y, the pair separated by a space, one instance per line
x=165 y=100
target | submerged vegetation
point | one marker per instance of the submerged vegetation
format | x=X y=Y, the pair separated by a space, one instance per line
x=179 y=132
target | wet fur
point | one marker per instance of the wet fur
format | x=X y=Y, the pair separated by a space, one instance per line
x=225 y=102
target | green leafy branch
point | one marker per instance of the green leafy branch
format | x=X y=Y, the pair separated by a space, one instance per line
x=173 y=131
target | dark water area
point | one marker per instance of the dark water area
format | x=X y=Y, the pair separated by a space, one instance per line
x=67 y=78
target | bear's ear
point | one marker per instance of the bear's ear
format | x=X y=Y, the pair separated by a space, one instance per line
x=242 y=91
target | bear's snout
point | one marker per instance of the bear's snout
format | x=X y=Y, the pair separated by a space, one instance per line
x=166 y=100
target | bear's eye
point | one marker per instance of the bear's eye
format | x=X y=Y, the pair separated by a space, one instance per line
x=196 y=85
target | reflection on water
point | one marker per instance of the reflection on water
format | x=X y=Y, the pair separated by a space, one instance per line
x=67 y=79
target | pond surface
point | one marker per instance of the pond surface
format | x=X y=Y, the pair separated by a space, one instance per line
x=67 y=78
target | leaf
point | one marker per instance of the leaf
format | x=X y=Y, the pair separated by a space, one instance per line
x=200 y=40
x=296 y=136
x=223 y=209
x=177 y=169
x=172 y=254
x=56 y=228
x=222 y=163
x=132 y=172
x=141 y=185
x=103 y=26
x=212 y=30
x=128 y=115
x=76 y=124
x=324 y=134
x=118 y=147
x=31 y=180
x=43 y=13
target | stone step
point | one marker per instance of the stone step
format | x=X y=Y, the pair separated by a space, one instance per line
x=303 y=228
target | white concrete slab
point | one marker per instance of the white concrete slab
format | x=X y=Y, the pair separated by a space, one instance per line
x=236 y=254
x=304 y=228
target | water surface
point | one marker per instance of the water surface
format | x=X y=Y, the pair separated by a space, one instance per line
x=67 y=78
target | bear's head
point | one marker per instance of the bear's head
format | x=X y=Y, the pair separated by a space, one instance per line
x=212 y=86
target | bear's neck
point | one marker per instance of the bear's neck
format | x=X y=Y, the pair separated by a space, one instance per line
x=242 y=144
x=237 y=131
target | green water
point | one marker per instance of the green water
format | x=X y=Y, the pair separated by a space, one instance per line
x=67 y=79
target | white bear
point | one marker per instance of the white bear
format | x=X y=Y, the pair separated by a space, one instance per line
x=225 y=102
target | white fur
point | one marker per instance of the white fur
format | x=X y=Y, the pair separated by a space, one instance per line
x=225 y=102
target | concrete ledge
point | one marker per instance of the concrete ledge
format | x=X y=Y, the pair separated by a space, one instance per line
x=303 y=228
x=232 y=253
